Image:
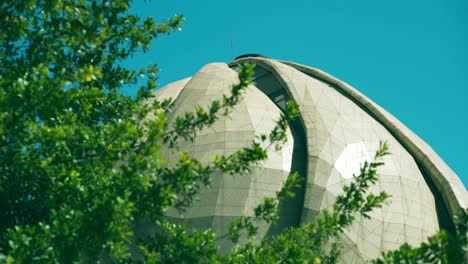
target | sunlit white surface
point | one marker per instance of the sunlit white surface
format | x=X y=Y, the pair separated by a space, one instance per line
x=351 y=159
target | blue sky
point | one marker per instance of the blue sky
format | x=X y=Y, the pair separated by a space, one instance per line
x=411 y=57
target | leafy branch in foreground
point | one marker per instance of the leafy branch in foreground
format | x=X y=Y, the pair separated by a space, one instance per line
x=187 y=175
x=267 y=211
x=237 y=162
x=440 y=248
x=308 y=242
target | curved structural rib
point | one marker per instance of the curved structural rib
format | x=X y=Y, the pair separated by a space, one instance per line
x=447 y=182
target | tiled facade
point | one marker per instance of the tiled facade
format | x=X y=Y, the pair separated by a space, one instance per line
x=339 y=128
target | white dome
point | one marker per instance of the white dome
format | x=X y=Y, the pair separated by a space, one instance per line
x=339 y=128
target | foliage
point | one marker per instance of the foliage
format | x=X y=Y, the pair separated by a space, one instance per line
x=309 y=241
x=80 y=162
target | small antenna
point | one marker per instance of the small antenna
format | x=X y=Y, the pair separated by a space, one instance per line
x=232 y=49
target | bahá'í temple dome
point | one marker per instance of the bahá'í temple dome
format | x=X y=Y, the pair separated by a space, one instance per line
x=338 y=129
